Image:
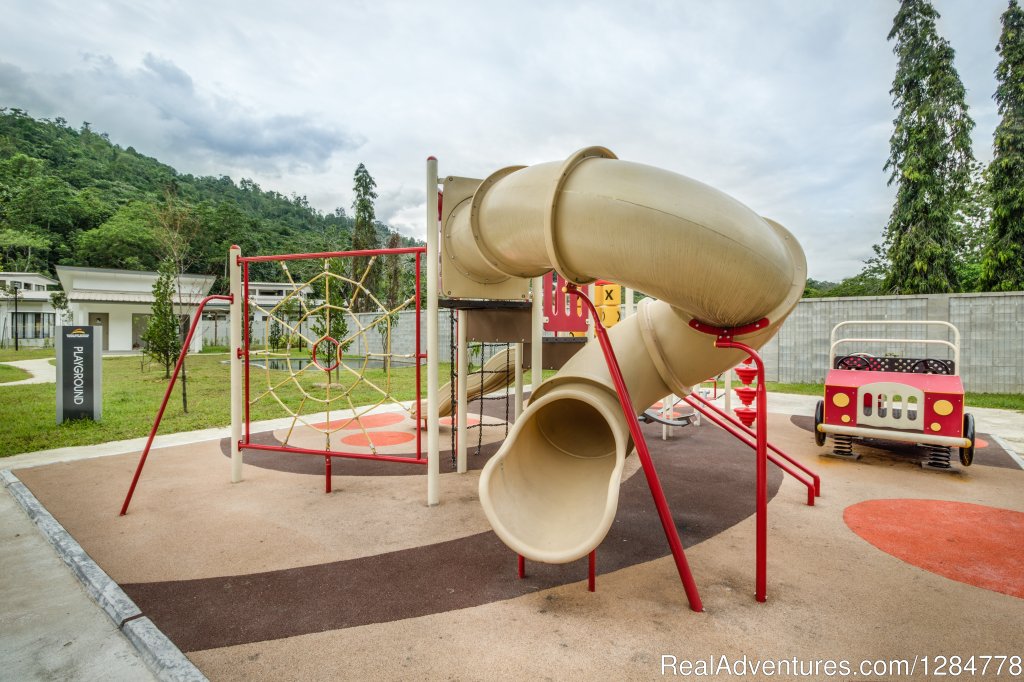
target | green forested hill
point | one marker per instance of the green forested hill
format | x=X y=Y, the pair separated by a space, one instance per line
x=73 y=197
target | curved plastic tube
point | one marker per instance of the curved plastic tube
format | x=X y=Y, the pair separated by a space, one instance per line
x=551 y=491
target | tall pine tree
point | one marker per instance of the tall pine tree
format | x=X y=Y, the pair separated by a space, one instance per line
x=1002 y=267
x=161 y=334
x=364 y=237
x=930 y=156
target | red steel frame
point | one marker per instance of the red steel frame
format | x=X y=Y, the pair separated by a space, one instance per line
x=591 y=570
x=167 y=396
x=328 y=455
x=725 y=339
x=653 y=482
x=736 y=428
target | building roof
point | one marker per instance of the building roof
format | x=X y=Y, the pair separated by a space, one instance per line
x=21 y=275
x=125 y=286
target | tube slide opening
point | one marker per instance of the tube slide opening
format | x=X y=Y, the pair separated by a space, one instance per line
x=552 y=497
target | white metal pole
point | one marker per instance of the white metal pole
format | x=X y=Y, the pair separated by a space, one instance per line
x=237 y=409
x=627 y=301
x=537 y=334
x=462 y=406
x=519 y=380
x=591 y=323
x=728 y=390
x=433 y=453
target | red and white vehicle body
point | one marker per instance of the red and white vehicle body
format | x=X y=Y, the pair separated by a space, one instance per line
x=900 y=399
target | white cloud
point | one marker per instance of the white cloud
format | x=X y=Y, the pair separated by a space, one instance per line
x=783 y=104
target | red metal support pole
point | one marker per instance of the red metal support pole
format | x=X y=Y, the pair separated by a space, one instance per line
x=167 y=396
x=591 y=570
x=419 y=390
x=334 y=254
x=657 y=492
x=245 y=341
x=320 y=453
x=522 y=566
x=327 y=473
x=739 y=425
x=761 y=509
x=740 y=436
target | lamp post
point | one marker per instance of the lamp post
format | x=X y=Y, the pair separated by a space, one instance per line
x=15 y=290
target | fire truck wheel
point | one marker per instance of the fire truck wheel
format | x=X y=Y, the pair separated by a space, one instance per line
x=967 y=454
x=819 y=417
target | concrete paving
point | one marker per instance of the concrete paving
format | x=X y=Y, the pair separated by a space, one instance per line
x=52 y=629
x=41 y=370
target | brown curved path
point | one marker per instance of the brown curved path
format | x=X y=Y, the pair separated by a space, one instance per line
x=708 y=480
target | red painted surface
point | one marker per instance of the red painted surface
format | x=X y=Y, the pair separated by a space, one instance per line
x=980 y=443
x=969 y=543
x=929 y=383
x=555 y=303
x=834 y=414
x=447 y=421
x=378 y=439
x=370 y=421
x=746 y=374
x=934 y=386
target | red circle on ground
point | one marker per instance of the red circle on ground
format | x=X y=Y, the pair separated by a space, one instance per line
x=447 y=421
x=980 y=443
x=969 y=543
x=370 y=421
x=378 y=438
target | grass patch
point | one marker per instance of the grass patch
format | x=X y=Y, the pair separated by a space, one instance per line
x=9 y=374
x=9 y=354
x=801 y=389
x=999 y=401
x=131 y=397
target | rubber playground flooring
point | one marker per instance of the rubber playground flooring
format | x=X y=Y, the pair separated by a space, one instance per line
x=272 y=578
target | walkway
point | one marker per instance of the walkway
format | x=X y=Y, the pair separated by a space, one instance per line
x=41 y=370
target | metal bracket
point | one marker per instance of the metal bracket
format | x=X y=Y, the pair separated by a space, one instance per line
x=729 y=333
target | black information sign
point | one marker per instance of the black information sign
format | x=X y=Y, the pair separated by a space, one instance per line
x=79 y=373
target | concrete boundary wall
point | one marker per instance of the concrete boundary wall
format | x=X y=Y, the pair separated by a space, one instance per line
x=991 y=327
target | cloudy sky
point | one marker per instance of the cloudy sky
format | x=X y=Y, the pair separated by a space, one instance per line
x=783 y=104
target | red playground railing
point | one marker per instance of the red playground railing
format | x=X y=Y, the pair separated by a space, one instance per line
x=167 y=396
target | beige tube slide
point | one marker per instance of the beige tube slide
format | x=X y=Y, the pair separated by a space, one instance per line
x=551 y=491
x=498 y=372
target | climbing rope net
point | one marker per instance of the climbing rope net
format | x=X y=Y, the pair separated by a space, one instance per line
x=326 y=348
x=485 y=350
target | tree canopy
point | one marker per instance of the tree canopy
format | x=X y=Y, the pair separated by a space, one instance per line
x=73 y=197
x=930 y=156
x=1002 y=266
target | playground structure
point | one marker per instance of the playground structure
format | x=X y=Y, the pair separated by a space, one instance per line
x=911 y=400
x=551 y=491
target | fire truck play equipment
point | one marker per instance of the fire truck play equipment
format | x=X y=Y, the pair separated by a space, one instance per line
x=911 y=400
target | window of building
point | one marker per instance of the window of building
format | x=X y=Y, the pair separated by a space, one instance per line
x=33 y=325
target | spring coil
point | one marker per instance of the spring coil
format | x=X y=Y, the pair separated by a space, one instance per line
x=938 y=457
x=843 y=445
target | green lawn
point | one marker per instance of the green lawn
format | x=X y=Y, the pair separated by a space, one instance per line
x=9 y=374
x=131 y=397
x=9 y=354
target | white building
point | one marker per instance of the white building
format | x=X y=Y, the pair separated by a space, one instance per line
x=263 y=296
x=25 y=309
x=121 y=301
